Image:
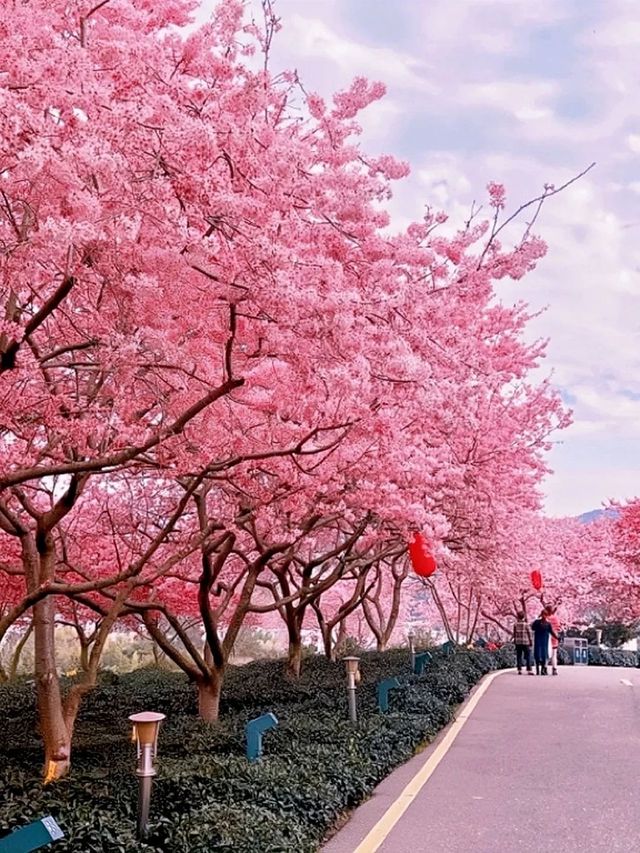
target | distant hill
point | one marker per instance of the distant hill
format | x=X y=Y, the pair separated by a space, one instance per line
x=594 y=514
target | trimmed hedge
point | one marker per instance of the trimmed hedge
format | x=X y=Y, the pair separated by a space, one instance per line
x=207 y=797
x=602 y=657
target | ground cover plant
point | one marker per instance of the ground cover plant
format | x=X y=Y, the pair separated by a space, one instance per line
x=603 y=657
x=207 y=797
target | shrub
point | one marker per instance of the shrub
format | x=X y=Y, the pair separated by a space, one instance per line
x=207 y=797
x=611 y=657
x=601 y=657
x=614 y=634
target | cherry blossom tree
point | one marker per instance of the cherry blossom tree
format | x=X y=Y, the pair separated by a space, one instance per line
x=229 y=388
x=127 y=198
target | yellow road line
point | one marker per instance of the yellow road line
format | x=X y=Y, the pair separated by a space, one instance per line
x=395 y=811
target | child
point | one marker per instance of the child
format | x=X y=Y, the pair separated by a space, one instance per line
x=523 y=641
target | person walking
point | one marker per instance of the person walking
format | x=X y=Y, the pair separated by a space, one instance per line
x=554 y=620
x=542 y=631
x=523 y=640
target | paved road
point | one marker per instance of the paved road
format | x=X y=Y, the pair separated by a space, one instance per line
x=542 y=765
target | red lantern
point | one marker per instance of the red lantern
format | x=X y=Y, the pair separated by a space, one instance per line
x=422 y=561
x=536 y=579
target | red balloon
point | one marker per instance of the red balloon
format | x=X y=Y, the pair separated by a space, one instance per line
x=422 y=561
x=536 y=579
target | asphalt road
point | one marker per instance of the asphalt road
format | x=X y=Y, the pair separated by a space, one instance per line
x=542 y=765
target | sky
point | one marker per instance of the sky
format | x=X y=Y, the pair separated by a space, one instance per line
x=523 y=93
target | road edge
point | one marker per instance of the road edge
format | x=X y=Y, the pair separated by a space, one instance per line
x=435 y=752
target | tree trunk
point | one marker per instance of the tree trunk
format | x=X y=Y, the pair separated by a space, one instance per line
x=381 y=644
x=15 y=659
x=375 y=625
x=294 y=656
x=72 y=704
x=325 y=630
x=89 y=678
x=57 y=741
x=340 y=638
x=442 y=610
x=327 y=641
x=84 y=655
x=158 y=655
x=209 y=691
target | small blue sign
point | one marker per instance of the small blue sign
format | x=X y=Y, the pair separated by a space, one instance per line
x=254 y=731
x=32 y=837
x=421 y=660
x=383 y=692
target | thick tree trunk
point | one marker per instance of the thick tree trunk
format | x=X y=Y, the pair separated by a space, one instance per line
x=209 y=691
x=340 y=638
x=54 y=731
x=294 y=658
x=327 y=641
x=294 y=655
x=84 y=655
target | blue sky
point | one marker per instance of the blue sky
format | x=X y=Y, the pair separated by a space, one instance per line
x=521 y=93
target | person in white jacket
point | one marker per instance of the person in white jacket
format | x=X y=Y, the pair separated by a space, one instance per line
x=554 y=621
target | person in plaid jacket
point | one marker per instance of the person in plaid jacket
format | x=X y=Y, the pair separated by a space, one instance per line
x=523 y=639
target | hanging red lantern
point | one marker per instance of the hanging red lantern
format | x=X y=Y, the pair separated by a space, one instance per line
x=536 y=579
x=422 y=561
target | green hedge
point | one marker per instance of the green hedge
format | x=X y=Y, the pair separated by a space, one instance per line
x=207 y=797
x=602 y=657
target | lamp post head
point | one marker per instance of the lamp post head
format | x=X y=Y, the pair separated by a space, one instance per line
x=353 y=664
x=145 y=728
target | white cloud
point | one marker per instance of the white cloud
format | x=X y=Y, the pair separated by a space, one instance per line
x=532 y=113
x=510 y=95
x=313 y=37
x=619 y=28
x=574 y=490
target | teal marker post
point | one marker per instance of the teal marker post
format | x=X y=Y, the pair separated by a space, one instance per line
x=32 y=837
x=421 y=660
x=448 y=648
x=383 y=692
x=254 y=731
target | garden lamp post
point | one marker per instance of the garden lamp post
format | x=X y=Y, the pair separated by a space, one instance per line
x=145 y=733
x=353 y=676
x=412 y=649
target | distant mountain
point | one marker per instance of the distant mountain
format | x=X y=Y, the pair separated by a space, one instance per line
x=594 y=514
